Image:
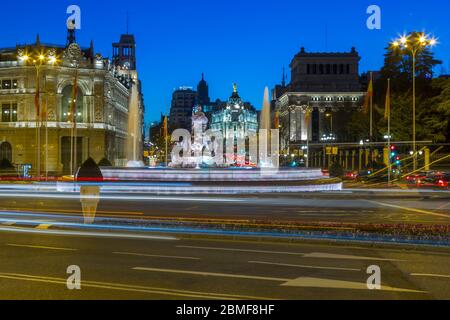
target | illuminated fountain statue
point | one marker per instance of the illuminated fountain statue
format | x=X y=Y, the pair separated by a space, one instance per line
x=232 y=141
x=199 y=123
x=194 y=150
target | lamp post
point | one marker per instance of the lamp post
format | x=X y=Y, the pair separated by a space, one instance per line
x=414 y=43
x=331 y=135
x=330 y=115
x=38 y=60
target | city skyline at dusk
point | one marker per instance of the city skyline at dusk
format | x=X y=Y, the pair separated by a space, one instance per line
x=225 y=159
x=247 y=43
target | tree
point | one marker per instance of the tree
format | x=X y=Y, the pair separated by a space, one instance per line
x=357 y=128
x=398 y=68
x=105 y=163
x=336 y=170
x=436 y=117
x=89 y=171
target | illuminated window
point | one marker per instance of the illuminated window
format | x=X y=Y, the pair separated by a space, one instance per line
x=14 y=112
x=66 y=104
x=9 y=112
x=6 y=84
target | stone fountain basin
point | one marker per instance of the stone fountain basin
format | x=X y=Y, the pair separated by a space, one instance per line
x=211 y=175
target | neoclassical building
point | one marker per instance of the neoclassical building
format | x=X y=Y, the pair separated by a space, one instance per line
x=40 y=114
x=323 y=93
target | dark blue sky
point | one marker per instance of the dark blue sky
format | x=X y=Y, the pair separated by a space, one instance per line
x=243 y=41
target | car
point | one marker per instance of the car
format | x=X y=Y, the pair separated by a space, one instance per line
x=364 y=175
x=442 y=180
x=350 y=175
x=414 y=178
x=435 y=181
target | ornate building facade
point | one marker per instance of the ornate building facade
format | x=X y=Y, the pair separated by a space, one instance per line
x=324 y=91
x=45 y=90
x=236 y=120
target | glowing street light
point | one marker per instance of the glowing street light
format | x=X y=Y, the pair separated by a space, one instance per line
x=414 y=43
x=38 y=59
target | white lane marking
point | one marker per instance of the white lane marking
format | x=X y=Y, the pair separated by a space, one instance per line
x=88 y=234
x=321 y=255
x=410 y=209
x=443 y=206
x=298 y=282
x=318 y=255
x=154 y=255
x=9 y=223
x=131 y=288
x=307 y=282
x=211 y=274
x=430 y=275
x=241 y=250
x=39 y=247
x=303 y=266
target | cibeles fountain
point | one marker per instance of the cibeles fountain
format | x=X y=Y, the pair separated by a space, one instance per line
x=223 y=160
x=197 y=148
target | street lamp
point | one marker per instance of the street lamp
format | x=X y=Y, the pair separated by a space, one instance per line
x=38 y=59
x=414 y=43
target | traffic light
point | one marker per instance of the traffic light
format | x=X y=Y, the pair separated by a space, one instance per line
x=393 y=153
x=395 y=158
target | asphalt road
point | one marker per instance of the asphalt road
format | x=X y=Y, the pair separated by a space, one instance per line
x=337 y=208
x=33 y=265
x=145 y=265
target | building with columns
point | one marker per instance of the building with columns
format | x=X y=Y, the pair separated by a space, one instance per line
x=49 y=124
x=318 y=102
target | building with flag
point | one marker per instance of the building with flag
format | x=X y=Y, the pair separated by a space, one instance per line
x=324 y=90
x=62 y=104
